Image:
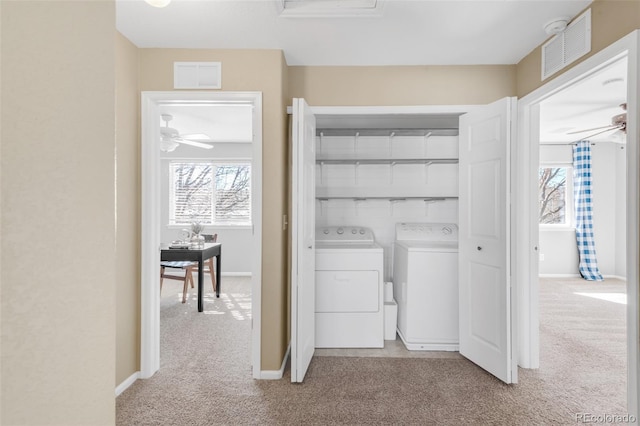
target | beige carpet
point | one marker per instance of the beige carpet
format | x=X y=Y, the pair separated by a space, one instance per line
x=205 y=376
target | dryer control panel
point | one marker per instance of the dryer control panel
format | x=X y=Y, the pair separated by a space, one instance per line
x=426 y=232
x=344 y=234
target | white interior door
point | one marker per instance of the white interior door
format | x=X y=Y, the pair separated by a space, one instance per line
x=484 y=210
x=303 y=253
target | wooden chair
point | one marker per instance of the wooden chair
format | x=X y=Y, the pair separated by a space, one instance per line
x=187 y=278
x=208 y=266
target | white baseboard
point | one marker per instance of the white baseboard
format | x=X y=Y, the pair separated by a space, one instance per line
x=559 y=275
x=617 y=277
x=276 y=374
x=578 y=276
x=127 y=382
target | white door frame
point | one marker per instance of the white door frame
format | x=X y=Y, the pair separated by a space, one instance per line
x=150 y=218
x=526 y=272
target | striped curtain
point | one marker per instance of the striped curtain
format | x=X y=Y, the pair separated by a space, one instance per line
x=584 y=210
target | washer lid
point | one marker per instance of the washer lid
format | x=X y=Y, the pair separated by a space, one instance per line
x=427 y=232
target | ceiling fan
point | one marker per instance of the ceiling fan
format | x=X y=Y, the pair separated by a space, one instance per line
x=618 y=122
x=171 y=138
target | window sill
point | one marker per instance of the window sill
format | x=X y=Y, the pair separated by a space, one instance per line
x=557 y=228
x=210 y=228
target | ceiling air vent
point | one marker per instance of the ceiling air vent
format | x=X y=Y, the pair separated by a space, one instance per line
x=329 y=8
x=197 y=75
x=567 y=46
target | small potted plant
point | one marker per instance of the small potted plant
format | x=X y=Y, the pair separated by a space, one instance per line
x=197 y=240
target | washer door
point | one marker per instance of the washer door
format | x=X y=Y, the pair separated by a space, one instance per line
x=347 y=291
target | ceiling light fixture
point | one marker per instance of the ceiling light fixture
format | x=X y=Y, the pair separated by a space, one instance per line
x=158 y=3
x=167 y=145
x=556 y=26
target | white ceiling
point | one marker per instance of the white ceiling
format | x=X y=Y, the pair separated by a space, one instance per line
x=588 y=104
x=220 y=122
x=413 y=32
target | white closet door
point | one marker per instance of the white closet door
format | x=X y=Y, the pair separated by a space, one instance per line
x=303 y=255
x=485 y=294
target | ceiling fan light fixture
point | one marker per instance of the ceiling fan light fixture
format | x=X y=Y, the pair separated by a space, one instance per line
x=168 y=145
x=158 y=3
x=169 y=132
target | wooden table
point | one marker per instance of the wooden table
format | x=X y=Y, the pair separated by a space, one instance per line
x=197 y=255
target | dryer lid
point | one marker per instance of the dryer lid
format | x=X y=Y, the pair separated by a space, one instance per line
x=429 y=246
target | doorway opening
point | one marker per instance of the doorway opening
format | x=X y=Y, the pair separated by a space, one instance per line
x=231 y=122
x=362 y=186
x=577 y=314
x=531 y=158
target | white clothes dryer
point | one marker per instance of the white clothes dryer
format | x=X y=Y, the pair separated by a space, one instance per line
x=425 y=285
x=349 y=288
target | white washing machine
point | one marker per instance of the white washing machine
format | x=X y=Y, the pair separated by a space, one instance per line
x=349 y=288
x=425 y=285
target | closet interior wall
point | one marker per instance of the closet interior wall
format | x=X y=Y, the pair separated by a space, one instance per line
x=377 y=177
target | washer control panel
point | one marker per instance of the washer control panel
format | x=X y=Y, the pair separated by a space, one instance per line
x=427 y=231
x=344 y=234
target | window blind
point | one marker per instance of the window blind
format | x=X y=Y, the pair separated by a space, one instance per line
x=210 y=193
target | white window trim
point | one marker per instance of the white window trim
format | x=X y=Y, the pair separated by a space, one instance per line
x=216 y=162
x=570 y=224
x=209 y=227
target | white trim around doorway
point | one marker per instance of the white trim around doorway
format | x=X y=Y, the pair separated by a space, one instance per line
x=150 y=218
x=526 y=273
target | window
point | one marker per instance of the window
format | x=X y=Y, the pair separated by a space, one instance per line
x=210 y=193
x=554 y=197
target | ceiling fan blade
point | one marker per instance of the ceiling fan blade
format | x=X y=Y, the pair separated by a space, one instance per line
x=193 y=143
x=612 y=126
x=617 y=128
x=196 y=136
x=199 y=140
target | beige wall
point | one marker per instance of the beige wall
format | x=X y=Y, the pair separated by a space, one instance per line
x=128 y=210
x=250 y=70
x=58 y=213
x=402 y=85
x=610 y=21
